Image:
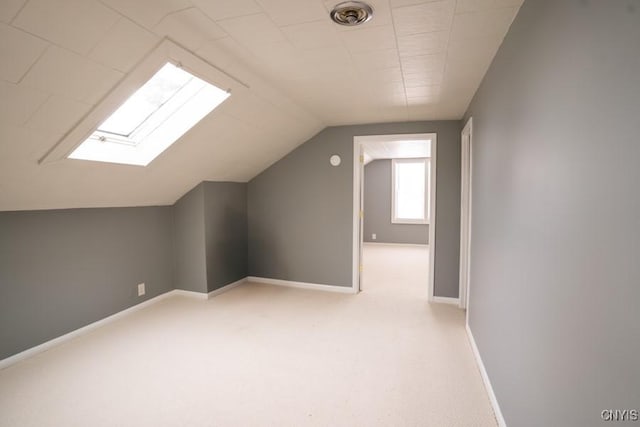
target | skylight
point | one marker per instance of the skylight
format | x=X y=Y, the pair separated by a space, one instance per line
x=154 y=117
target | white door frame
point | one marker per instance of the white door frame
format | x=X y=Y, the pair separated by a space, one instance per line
x=466 y=186
x=358 y=182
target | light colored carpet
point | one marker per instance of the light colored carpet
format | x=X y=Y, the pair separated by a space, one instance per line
x=262 y=355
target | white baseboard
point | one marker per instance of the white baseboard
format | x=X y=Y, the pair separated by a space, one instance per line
x=190 y=294
x=202 y=295
x=485 y=379
x=226 y=288
x=5 y=363
x=302 y=285
x=447 y=300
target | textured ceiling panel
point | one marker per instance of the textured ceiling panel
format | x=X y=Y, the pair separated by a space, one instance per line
x=18 y=52
x=415 y=60
x=77 y=25
x=222 y=9
x=123 y=45
x=19 y=102
x=65 y=73
x=424 y=18
x=9 y=9
x=145 y=12
x=57 y=115
x=190 y=27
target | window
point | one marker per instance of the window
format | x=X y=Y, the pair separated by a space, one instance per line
x=163 y=109
x=410 y=199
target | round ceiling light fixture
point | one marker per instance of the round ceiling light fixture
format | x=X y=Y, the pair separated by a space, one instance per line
x=351 y=13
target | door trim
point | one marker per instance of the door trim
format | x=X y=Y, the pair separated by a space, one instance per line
x=466 y=193
x=358 y=182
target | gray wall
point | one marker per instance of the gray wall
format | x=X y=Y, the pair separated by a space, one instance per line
x=210 y=234
x=555 y=273
x=63 y=269
x=300 y=208
x=377 y=209
x=190 y=272
x=225 y=205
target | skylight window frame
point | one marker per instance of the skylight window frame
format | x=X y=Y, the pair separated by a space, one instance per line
x=163 y=105
x=166 y=123
x=166 y=51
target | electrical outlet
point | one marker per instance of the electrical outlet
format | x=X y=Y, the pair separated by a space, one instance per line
x=373 y=236
x=141 y=290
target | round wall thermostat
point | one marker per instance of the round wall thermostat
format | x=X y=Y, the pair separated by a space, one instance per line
x=335 y=160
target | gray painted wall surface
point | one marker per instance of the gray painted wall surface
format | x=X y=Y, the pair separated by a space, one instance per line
x=300 y=208
x=190 y=271
x=225 y=205
x=63 y=269
x=210 y=234
x=554 y=308
x=377 y=209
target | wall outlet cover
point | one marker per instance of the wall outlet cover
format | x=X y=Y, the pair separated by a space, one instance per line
x=141 y=290
x=373 y=236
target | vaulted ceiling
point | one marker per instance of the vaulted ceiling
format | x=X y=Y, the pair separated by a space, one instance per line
x=415 y=60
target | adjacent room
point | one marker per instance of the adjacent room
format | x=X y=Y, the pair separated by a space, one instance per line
x=319 y=213
x=395 y=179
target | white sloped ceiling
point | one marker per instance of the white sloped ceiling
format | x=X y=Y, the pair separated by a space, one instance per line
x=416 y=60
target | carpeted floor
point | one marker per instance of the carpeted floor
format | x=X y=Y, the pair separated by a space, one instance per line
x=262 y=355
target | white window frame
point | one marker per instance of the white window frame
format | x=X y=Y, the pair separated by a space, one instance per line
x=166 y=51
x=158 y=131
x=427 y=191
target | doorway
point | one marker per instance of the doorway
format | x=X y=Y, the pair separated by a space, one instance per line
x=410 y=148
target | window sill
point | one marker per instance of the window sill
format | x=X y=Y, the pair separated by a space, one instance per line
x=410 y=221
